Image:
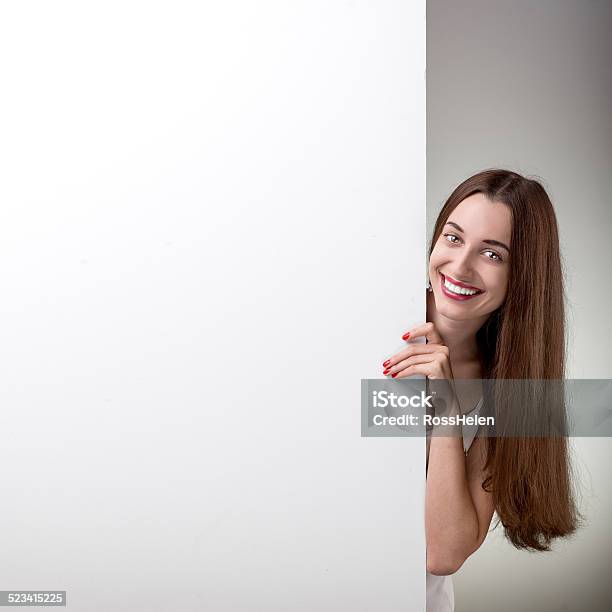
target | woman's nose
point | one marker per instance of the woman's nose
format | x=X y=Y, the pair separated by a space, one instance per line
x=463 y=265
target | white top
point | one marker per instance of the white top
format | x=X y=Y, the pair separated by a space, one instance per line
x=440 y=595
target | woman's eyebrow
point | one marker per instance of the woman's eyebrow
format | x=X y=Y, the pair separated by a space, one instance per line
x=497 y=243
x=454 y=225
x=492 y=242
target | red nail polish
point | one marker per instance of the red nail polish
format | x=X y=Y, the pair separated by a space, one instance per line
x=387 y=363
x=386 y=372
x=406 y=336
x=394 y=375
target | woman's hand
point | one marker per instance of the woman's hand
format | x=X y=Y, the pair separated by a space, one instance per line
x=431 y=359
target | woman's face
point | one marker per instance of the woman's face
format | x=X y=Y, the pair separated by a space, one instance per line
x=469 y=264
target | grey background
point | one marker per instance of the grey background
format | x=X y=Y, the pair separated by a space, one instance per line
x=527 y=85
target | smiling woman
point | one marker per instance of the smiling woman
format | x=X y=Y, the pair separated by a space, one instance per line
x=494 y=310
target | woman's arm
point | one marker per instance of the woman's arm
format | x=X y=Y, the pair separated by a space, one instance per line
x=458 y=511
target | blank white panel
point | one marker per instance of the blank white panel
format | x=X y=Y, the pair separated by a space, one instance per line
x=212 y=227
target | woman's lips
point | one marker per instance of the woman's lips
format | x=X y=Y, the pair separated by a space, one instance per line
x=457 y=296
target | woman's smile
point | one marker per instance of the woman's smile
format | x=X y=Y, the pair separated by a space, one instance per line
x=456 y=290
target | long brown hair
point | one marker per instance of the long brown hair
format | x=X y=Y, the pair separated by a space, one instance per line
x=529 y=477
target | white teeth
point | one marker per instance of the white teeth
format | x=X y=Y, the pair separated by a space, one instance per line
x=459 y=290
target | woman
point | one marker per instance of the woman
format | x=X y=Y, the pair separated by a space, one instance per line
x=494 y=310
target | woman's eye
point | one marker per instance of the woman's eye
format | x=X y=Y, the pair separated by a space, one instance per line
x=451 y=238
x=493 y=255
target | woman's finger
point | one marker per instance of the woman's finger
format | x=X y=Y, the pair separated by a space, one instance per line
x=426 y=330
x=395 y=370
x=409 y=351
x=423 y=369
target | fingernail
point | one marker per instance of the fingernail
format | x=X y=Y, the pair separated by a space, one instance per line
x=386 y=371
x=406 y=336
x=394 y=375
x=386 y=363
